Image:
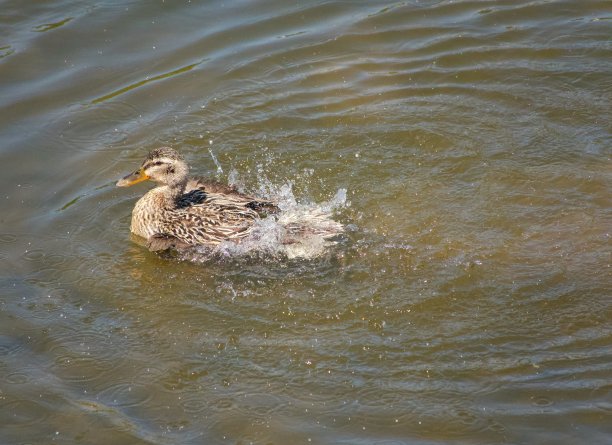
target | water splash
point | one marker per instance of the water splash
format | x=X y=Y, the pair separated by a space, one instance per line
x=299 y=230
x=215 y=160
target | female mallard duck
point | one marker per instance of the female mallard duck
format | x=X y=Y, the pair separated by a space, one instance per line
x=183 y=212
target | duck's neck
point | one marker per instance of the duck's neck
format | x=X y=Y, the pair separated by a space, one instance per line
x=172 y=193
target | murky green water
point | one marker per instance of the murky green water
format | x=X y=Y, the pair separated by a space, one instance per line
x=470 y=302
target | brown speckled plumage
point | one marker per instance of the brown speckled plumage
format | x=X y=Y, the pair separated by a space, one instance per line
x=183 y=212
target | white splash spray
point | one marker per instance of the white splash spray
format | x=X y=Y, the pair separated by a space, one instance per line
x=299 y=230
x=214 y=158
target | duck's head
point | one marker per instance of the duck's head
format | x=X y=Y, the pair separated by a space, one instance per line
x=162 y=165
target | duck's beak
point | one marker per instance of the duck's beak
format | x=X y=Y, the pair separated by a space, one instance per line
x=133 y=178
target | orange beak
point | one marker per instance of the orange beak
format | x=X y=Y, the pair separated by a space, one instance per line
x=133 y=178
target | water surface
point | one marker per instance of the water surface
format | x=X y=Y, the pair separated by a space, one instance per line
x=468 y=303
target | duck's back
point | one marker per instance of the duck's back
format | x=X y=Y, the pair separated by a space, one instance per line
x=223 y=193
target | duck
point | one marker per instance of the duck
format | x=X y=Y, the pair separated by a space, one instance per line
x=182 y=212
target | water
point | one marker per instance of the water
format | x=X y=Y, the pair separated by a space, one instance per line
x=469 y=301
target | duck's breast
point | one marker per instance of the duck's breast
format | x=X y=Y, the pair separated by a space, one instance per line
x=147 y=215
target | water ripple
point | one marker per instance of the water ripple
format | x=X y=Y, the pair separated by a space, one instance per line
x=7 y=238
x=140 y=83
x=468 y=301
x=9 y=346
x=23 y=413
x=126 y=395
x=49 y=26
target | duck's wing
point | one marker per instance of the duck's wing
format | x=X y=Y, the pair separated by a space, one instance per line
x=209 y=223
x=223 y=193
